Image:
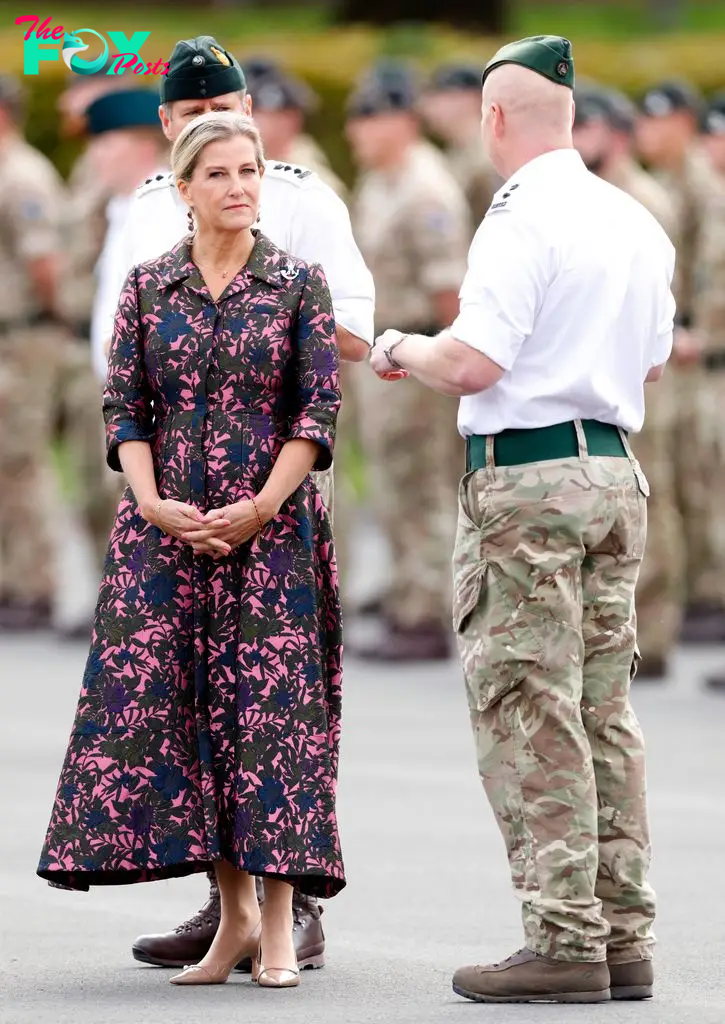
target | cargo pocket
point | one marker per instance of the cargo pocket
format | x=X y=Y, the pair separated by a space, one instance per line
x=497 y=642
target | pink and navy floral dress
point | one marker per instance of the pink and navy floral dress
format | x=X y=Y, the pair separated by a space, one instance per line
x=209 y=716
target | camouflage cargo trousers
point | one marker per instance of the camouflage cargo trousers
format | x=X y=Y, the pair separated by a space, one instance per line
x=545 y=568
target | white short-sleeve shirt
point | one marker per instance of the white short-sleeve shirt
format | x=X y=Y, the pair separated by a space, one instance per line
x=568 y=290
x=298 y=212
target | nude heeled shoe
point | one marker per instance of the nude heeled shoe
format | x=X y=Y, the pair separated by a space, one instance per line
x=273 y=977
x=217 y=974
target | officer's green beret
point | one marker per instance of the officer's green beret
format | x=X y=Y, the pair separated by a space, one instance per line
x=549 y=56
x=200 y=69
x=129 y=108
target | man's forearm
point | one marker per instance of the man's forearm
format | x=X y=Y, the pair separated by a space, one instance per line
x=352 y=349
x=434 y=361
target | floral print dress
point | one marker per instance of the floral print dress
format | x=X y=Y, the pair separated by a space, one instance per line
x=209 y=716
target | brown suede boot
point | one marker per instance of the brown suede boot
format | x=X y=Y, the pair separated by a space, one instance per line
x=527 y=977
x=634 y=980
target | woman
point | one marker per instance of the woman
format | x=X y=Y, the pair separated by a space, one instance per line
x=208 y=723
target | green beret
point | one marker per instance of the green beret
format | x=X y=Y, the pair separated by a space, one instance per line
x=129 y=108
x=549 y=56
x=200 y=69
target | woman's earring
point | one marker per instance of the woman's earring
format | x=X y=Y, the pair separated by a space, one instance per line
x=190 y=220
x=259 y=214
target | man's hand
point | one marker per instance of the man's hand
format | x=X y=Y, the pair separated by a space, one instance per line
x=379 y=361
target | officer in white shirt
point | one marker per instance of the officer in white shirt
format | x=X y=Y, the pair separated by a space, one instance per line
x=299 y=212
x=566 y=312
x=303 y=216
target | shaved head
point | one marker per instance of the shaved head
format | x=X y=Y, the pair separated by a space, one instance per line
x=524 y=115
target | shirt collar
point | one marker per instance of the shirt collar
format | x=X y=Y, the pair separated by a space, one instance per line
x=266 y=262
x=554 y=163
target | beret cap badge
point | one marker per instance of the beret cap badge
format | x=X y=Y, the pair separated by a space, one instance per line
x=198 y=59
x=221 y=56
x=562 y=68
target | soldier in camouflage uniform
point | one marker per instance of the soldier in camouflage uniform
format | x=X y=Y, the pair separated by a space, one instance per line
x=712 y=311
x=666 y=138
x=551 y=349
x=412 y=226
x=603 y=134
x=31 y=342
x=451 y=109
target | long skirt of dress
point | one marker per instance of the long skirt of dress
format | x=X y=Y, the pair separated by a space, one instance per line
x=209 y=717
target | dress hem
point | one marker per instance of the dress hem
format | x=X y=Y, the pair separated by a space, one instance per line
x=321 y=886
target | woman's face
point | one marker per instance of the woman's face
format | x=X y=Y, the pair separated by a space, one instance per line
x=224 y=188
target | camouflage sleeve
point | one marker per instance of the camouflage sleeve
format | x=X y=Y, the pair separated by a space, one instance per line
x=317 y=398
x=33 y=212
x=709 y=276
x=127 y=408
x=439 y=237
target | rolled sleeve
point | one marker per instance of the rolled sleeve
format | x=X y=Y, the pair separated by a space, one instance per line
x=503 y=289
x=127 y=407
x=317 y=399
x=322 y=233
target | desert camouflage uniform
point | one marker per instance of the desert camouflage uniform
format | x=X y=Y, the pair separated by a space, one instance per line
x=694 y=453
x=709 y=304
x=547 y=643
x=413 y=232
x=31 y=203
x=476 y=176
x=660 y=589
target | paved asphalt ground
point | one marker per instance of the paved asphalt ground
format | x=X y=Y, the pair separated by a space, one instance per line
x=428 y=885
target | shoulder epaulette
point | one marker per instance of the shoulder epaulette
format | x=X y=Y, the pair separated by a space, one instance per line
x=156 y=182
x=501 y=199
x=292 y=173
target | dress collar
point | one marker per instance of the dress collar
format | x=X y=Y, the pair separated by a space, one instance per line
x=266 y=262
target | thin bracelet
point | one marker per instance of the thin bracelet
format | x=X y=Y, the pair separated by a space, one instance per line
x=388 y=352
x=158 y=507
x=260 y=524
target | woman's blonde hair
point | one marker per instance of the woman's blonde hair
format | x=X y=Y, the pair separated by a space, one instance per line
x=213 y=127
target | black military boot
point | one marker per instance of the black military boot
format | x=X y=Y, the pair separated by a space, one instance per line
x=186 y=944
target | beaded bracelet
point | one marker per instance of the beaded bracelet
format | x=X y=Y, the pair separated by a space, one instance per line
x=260 y=524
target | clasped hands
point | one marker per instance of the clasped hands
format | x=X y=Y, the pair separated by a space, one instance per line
x=215 y=533
x=379 y=361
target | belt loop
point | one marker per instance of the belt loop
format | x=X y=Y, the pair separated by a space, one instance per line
x=581 y=441
x=627 y=447
x=490 y=463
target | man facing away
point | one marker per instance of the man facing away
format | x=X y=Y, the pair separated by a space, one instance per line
x=303 y=216
x=554 y=341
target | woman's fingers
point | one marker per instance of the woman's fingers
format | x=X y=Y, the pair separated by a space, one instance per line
x=203 y=531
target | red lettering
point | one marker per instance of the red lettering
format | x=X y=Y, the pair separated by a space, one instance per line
x=28 y=17
x=57 y=33
x=166 y=68
x=138 y=70
x=118 y=68
x=44 y=29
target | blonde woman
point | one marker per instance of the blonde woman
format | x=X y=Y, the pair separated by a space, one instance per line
x=208 y=724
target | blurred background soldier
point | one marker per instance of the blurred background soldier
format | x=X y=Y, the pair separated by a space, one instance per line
x=413 y=228
x=31 y=340
x=666 y=135
x=127 y=148
x=451 y=108
x=603 y=133
x=712 y=134
x=281 y=105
